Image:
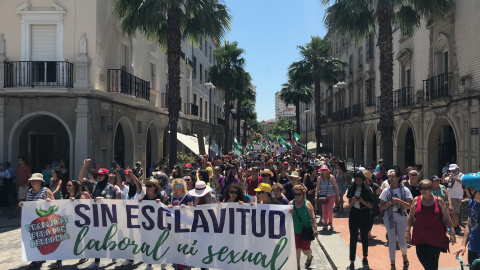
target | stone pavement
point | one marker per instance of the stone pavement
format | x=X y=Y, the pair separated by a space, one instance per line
x=10 y=252
x=336 y=247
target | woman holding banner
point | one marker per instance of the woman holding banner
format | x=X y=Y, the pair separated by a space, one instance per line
x=38 y=192
x=304 y=224
x=234 y=193
x=180 y=194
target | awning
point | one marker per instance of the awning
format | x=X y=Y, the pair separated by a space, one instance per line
x=313 y=145
x=191 y=142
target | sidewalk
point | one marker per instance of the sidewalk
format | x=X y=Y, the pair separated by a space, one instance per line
x=335 y=244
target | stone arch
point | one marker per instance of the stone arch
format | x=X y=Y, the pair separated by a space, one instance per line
x=152 y=144
x=19 y=126
x=442 y=145
x=124 y=137
x=405 y=141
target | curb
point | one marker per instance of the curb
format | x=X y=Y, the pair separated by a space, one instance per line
x=326 y=255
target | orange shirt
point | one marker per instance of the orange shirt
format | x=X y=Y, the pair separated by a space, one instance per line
x=23 y=174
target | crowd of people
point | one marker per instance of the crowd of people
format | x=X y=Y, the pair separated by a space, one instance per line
x=312 y=184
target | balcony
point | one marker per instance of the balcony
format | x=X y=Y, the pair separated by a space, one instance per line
x=337 y=116
x=187 y=108
x=194 y=109
x=220 y=121
x=347 y=113
x=437 y=87
x=164 y=100
x=357 y=110
x=370 y=103
x=120 y=81
x=190 y=62
x=323 y=120
x=38 y=74
x=403 y=97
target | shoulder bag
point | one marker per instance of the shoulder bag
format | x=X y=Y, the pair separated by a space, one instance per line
x=307 y=233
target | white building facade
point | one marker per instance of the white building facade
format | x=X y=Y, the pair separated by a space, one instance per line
x=72 y=86
x=436 y=96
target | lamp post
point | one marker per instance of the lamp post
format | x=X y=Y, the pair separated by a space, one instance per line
x=210 y=86
x=306 y=125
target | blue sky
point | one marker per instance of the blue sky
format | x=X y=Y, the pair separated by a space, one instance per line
x=269 y=31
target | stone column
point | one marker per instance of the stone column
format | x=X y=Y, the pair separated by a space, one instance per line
x=81 y=65
x=2 y=129
x=2 y=59
x=81 y=134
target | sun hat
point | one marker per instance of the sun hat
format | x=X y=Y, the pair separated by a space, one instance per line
x=294 y=175
x=264 y=187
x=152 y=181
x=102 y=171
x=200 y=189
x=36 y=177
x=267 y=171
x=324 y=167
x=368 y=174
x=453 y=167
x=362 y=169
x=139 y=163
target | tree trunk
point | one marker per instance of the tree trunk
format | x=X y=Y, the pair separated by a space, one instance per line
x=226 y=144
x=318 y=127
x=239 y=113
x=244 y=142
x=173 y=59
x=385 y=43
x=297 y=117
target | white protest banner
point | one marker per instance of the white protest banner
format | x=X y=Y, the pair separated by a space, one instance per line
x=223 y=236
x=257 y=147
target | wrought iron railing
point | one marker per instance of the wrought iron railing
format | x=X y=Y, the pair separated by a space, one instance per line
x=437 y=87
x=120 y=81
x=194 y=109
x=357 y=110
x=403 y=97
x=347 y=113
x=220 y=121
x=187 y=108
x=370 y=99
x=38 y=74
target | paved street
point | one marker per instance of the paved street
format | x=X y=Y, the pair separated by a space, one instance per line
x=10 y=252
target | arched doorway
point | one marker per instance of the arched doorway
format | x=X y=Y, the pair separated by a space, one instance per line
x=405 y=146
x=442 y=146
x=152 y=145
x=42 y=137
x=124 y=145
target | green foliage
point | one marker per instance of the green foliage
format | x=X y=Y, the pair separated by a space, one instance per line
x=283 y=127
x=257 y=137
x=184 y=158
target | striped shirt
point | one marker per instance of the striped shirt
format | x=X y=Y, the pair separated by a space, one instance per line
x=41 y=195
x=326 y=188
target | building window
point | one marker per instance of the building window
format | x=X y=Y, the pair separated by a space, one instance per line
x=370 y=92
x=201 y=73
x=152 y=76
x=210 y=55
x=194 y=67
x=370 y=45
x=360 y=58
x=350 y=65
x=206 y=109
x=206 y=48
x=201 y=108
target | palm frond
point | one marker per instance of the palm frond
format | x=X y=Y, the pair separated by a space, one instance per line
x=407 y=19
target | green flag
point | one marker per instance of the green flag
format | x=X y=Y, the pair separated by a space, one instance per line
x=297 y=137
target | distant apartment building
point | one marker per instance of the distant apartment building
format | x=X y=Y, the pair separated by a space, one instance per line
x=280 y=106
x=267 y=126
x=436 y=95
x=72 y=86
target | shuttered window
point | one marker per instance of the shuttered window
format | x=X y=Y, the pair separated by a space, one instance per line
x=44 y=42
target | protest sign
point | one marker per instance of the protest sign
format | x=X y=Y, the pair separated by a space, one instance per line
x=223 y=236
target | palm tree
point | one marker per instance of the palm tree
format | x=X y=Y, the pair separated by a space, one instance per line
x=242 y=92
x=168 y=22
x=317 y=66
x=225 y=75
x=295 y=94
x=283 y=126
x=359 y=18
x=248 y=115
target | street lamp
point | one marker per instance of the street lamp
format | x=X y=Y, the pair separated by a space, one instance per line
x=210 y=86
x=306 y=125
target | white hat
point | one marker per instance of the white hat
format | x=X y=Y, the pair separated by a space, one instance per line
x=200 y=189
x=36 y=177
x=453 y=167
x=362 y=169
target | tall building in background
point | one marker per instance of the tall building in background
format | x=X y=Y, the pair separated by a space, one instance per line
x=280 y=106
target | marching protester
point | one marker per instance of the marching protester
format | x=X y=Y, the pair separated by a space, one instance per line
x=429 y=216
x=304 y=224
x=282 y=176
x=375 y=210
x=267 y=177
x=412 y=183
x=38 y=192
x=439 y=190
x=326 y=194
x=4 y=176
x=180 y=195
x=264 y=194
x=360 y=199
x=253 y=181
x=215 y=180
x=455 y=191
x=56 y=183
x=396 y=200
x=293 y=180
x=341 y=178
x=310 y=182
x=202 y=194
x=235 y=193
x=277 y=193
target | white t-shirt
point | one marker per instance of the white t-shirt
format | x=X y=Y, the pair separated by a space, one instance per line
x=137 y=196
x=454 y=188
x=357 y=194
x=384 y=185
x=396 y=194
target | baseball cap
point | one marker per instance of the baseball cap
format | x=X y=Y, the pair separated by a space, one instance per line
x=102 y=171
x=188 y=165
x=264 y=187
x=453 y=167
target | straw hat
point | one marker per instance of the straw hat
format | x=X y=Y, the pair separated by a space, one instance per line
x=266 y=171
x=36 y=177
x=152 y=182
x=295 y=174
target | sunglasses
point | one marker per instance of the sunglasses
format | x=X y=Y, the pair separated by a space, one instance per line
x=233 y=192
x=179 y=185
x=188 y=179
x=413 y=174
x=424 y=188
x=148 y=186
x=265 y=175
x=69 y=185
x=298 y=194
x=216 y=170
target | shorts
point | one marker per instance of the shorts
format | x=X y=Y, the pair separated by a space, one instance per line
x=456 y=203
x=301 y=244
x=342 y=187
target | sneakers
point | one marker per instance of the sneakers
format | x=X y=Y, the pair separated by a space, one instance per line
x=36 y=264
x=82 y=261
x=335 y=209
x=93 y=265
x=127 y=262
x=365 y=263
x=55 y=265
x=149 y=267
x=351 y=267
